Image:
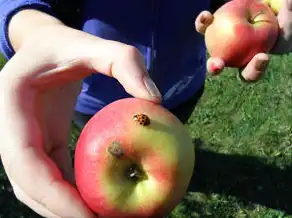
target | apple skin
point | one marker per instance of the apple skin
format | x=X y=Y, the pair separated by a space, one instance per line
x=234 y=38
x=163 y=150
x=274 y=4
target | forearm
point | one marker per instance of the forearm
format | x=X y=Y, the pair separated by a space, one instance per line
x=26 y=23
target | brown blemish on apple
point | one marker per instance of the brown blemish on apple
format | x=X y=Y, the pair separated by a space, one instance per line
x=116 y=149
x=142 y=119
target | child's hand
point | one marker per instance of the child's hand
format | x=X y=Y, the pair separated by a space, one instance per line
x=257 y=66
x=39 y=86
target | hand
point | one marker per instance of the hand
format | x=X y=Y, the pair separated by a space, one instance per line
x=39 y=86
x=257 y=66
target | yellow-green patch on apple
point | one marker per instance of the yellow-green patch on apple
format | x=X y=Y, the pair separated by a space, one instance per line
x=274 y=4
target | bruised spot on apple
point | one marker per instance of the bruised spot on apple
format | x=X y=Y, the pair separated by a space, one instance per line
x=116 y=149
x=240 y=30
x=133 y=159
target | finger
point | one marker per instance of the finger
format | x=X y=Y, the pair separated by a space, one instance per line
x=202 y=22
x=123 y=62
x=81 y=56
x=215 y=65
x=255 y=68
x=131 y=73
x=287 y=4
x=128 y=67
x=283 y=43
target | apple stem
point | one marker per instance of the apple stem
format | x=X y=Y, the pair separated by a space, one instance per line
x=115 y=149
x=258 y=14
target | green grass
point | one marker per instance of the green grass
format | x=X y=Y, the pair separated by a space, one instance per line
x=243 y=138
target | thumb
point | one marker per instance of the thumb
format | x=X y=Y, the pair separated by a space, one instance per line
x=203 y=20
x=283 y=44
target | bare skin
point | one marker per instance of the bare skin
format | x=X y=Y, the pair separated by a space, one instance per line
x=40 y=84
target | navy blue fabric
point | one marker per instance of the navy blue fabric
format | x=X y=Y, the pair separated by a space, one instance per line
x=162 y=30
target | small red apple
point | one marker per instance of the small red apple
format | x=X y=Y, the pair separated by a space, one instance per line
x=133 y=159
x=241 y=29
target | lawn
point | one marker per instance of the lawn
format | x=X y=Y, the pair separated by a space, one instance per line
x=243 y=138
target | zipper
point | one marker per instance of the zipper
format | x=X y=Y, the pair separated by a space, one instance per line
x=154 y=12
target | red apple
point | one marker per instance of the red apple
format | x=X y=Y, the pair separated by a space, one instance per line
x=133 y=159
x=241 y=29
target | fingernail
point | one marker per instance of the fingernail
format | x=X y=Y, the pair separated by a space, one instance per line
x=261 y=65
x=151 y=87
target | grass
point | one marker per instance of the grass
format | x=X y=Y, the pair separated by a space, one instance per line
x=243 y=138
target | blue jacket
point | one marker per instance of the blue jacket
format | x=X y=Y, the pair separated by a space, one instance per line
x=162 y=30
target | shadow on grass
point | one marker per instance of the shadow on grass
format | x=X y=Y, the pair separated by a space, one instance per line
x=247 y=178
x=10 y=207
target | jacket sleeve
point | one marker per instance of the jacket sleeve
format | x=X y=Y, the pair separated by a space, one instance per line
x=10 y=7
x=216 y=4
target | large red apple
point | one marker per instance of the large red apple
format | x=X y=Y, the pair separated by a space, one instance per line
x=133 y=159
x=241 y=29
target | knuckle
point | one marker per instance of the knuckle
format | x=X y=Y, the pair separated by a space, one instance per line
x=131 y=51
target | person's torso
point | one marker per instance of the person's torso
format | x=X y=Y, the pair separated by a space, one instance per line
x=164 y=33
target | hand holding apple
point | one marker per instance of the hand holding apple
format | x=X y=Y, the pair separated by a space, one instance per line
x=241 y=29
x=252 y=70
x=133 y=159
